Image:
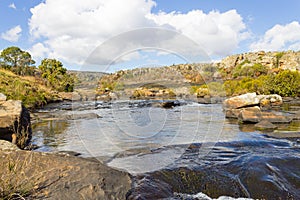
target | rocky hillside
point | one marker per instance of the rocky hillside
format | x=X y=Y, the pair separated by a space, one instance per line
x=282 y=60
x=86 y=79
x=234 y=75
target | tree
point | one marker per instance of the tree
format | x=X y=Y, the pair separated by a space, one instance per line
x=17 y=60
x=56 y=75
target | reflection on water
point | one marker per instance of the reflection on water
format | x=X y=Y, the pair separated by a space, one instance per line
x=125 y=126
x=50 y=134
x=225 y=158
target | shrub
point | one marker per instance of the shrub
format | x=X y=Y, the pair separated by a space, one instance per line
x=56 y=75
x=254 y=70
x=209 y=89
x=286 y=83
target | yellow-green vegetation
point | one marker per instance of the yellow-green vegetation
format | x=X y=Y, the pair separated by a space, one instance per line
x=21 y=80
x=260 y=72
x=17 y=61
x=171 y=76
x=56 y=75
x=153 y=92
x=246 y=69
x=13 y=183
x=285 y=83
x=209 y=89
x=28 y=89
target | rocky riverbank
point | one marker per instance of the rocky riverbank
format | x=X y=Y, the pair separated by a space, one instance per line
x=15 y=125
x=36 y=175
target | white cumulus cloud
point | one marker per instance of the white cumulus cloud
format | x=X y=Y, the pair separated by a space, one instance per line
x=218 y=33
x=13 y=34
x=279 y=37
x=71 y=30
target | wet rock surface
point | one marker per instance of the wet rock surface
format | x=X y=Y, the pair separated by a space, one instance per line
x=248 y=169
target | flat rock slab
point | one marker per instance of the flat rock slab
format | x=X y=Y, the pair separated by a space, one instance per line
x=54 y=176
x=265 y=125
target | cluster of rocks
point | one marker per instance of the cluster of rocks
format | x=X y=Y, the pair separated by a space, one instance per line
x=256 y=109
x=15 y=125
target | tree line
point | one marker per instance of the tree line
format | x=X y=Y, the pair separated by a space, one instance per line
x=51 y=71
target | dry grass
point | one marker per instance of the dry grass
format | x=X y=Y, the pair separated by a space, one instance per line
x=14 y=184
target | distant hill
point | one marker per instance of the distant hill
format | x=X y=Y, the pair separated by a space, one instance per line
x=235 y=74
x=87 y=79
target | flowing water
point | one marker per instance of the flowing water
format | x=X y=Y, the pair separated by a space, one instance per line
x=173 y=153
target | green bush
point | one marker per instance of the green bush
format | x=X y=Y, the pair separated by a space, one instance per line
x=56 y=75
x=286 y=83
x=255 y=70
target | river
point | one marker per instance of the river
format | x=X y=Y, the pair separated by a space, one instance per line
x=174 y=153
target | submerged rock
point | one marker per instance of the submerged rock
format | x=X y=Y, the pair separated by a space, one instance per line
x=79 y=116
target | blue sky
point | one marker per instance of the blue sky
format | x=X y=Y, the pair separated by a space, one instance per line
x=71 y=30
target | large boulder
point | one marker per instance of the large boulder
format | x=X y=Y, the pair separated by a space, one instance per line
x=251 y=99
x=15 y=123
x=245 y=100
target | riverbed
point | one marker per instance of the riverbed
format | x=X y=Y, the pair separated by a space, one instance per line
x=176 y=152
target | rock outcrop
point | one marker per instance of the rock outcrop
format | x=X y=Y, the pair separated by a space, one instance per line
x=250 y=108
x=282 y=60
x=15 y=123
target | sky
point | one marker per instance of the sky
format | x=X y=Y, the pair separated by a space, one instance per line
x=109 y=35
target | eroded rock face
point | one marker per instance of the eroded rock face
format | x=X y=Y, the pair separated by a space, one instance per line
x=286 y=60
x=15 y=123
